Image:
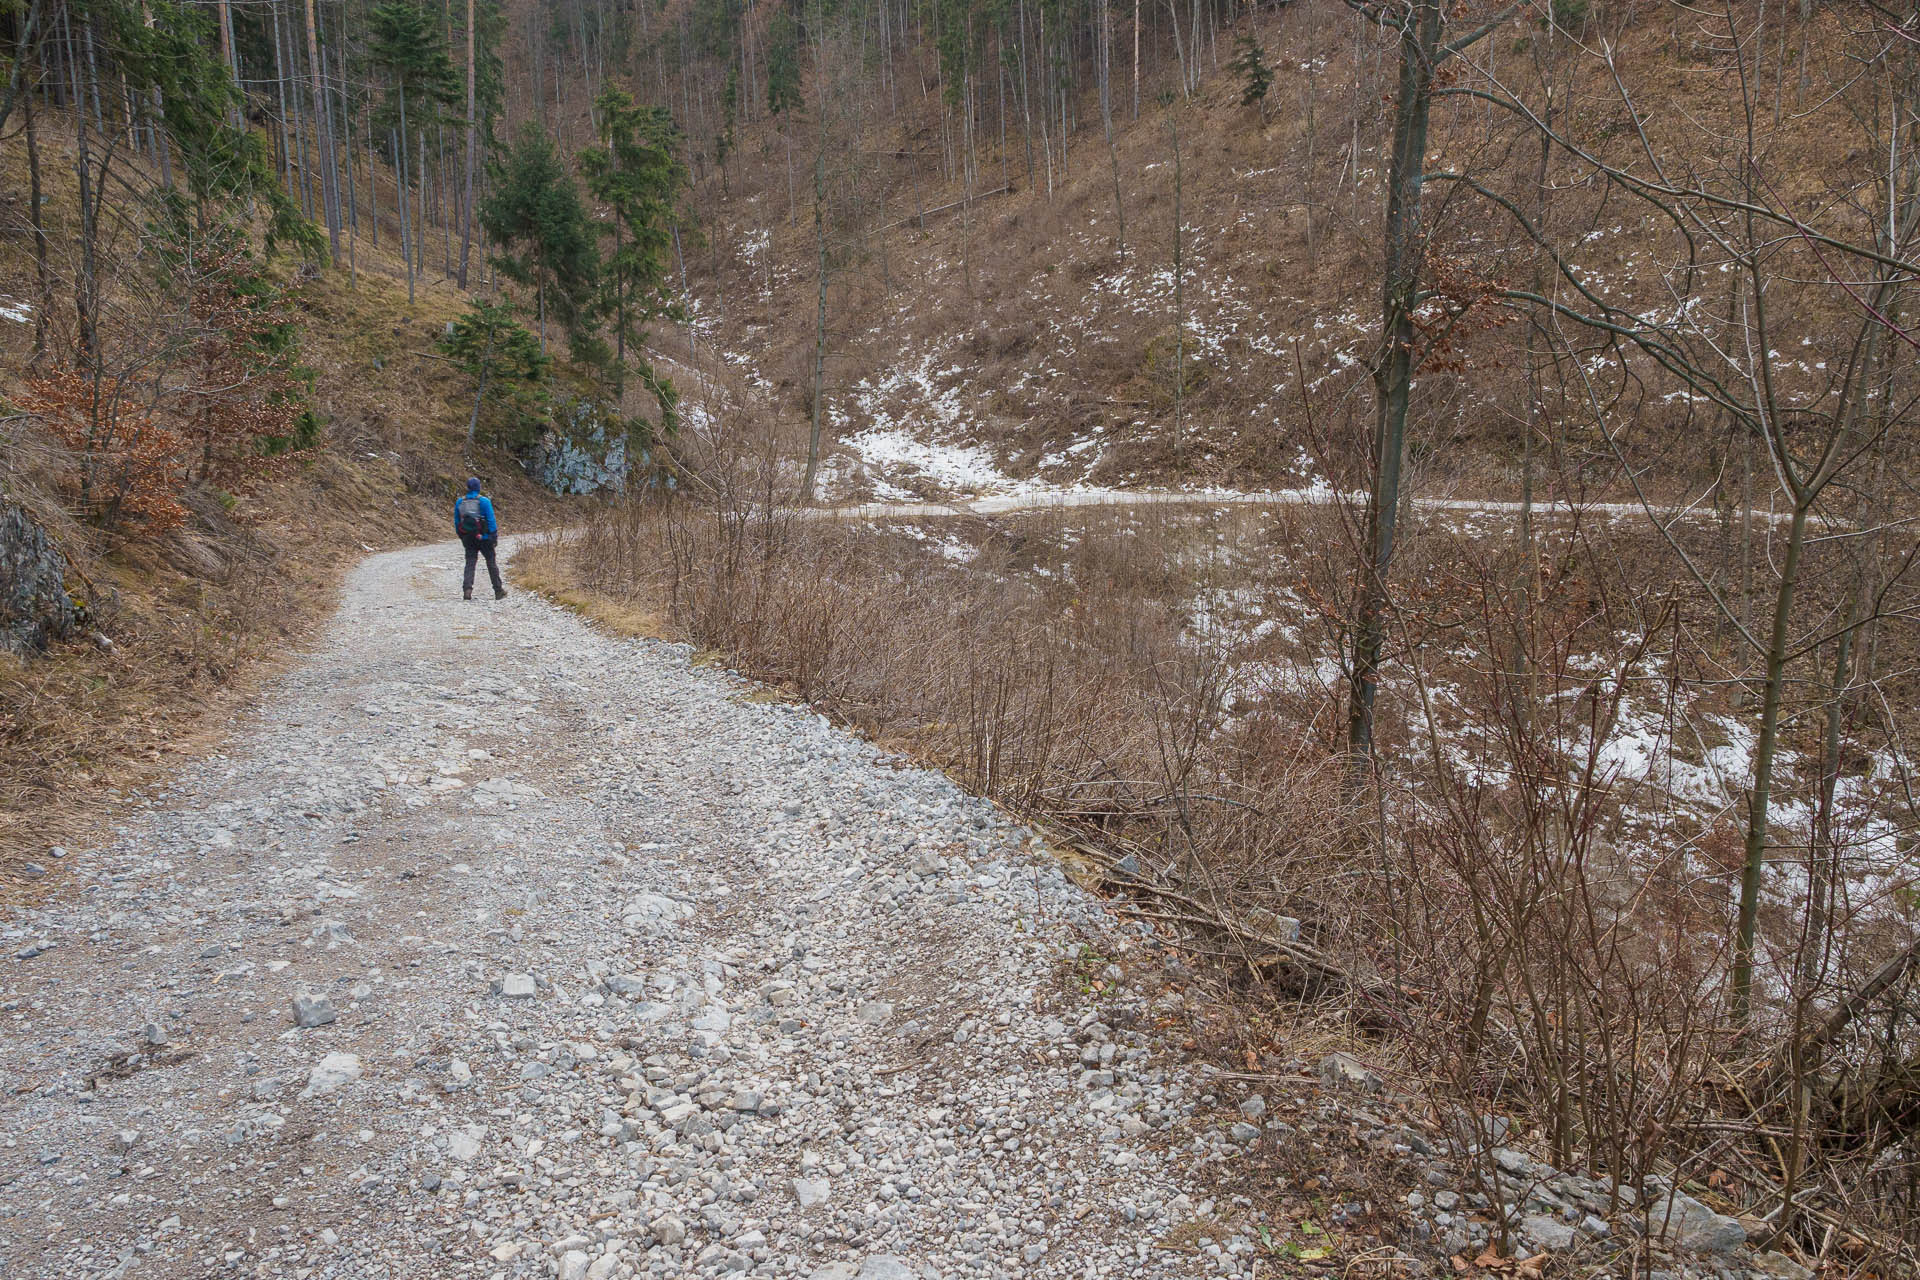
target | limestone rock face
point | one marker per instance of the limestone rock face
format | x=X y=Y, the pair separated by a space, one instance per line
x=35 y=609
x=587 y=449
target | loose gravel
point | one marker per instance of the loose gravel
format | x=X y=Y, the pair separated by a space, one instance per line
x=495 y=946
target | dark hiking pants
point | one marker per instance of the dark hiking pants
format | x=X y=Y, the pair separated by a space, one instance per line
x=477 y=547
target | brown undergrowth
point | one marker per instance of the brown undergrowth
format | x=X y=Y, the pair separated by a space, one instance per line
x=1518 y=931
x=183 y=625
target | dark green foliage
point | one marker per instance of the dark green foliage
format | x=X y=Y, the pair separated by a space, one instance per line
x=1250 y=64
x=535 y=218
x=1570 y=15
x=783 y=62
x=509 y=370
x=168 y=53
x=959 y=37
x=637 y=172
x=716 y=27
x=408 y=46
x=729 y=116
x=489 y=74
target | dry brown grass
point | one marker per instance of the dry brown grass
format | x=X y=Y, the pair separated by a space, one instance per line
x=1545 y=952
x=542 y=567
x=199 y=617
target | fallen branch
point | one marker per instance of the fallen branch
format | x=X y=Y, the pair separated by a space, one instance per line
x=1257 y=949
x=923 y=216
x=1850 y=1008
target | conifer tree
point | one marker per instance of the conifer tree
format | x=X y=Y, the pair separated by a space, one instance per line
x=1250 y=64
x=491 y=347
x=535 y=218
x=637 y=172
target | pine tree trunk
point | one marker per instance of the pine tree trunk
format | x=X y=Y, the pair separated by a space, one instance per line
x=323 y=117
x=373 y=176
x=231 y=58
x=466 y=203
x=346 y=150
x=280 y=90
x=407 y=248
x=420 y=205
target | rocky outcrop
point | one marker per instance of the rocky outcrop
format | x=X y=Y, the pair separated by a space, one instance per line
x=582 y=452
x=35 y=609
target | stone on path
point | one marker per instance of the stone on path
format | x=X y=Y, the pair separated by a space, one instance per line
x=312 y=1009
x=1549 y=1232
x=464 y=1144
x=331 y=1072
x=515 y=986
x=881 y=1266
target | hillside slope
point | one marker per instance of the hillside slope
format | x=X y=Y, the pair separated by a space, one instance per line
x=1011 y=317
x=182 y=624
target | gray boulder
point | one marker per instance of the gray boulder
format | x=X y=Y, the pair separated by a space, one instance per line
x=35 y=609
x=1344 y=1071
x=1687 y=1224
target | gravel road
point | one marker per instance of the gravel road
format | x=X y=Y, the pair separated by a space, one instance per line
x=614 y=967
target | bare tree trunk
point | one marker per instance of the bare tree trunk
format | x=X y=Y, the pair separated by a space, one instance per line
x=1136 y=59
x=1106 y=121
x=86 y=294
x=322 y=113
x=43 y=277
x=466 y=203
x=1393 y=378
x=1760 y=797
x=1179 y=49
x=819 y=324
x=1179 y=309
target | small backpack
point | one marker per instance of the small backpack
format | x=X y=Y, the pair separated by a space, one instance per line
x=469 y=517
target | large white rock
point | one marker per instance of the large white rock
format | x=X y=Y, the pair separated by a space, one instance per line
x=653 y=911
x=463 y=1144
x=332 y=1072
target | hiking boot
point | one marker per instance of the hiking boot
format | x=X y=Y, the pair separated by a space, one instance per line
x=499 y=593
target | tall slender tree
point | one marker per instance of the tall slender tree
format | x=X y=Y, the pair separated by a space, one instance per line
x=638 y=173
x=535 y=218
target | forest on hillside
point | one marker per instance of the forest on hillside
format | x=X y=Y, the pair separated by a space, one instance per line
x=1558 y=709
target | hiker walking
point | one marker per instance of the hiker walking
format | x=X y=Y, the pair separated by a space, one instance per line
x=479 y=534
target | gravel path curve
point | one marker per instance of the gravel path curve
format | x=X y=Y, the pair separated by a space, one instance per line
x=614 y=968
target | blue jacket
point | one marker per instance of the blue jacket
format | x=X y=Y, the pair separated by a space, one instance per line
x=486 y=510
